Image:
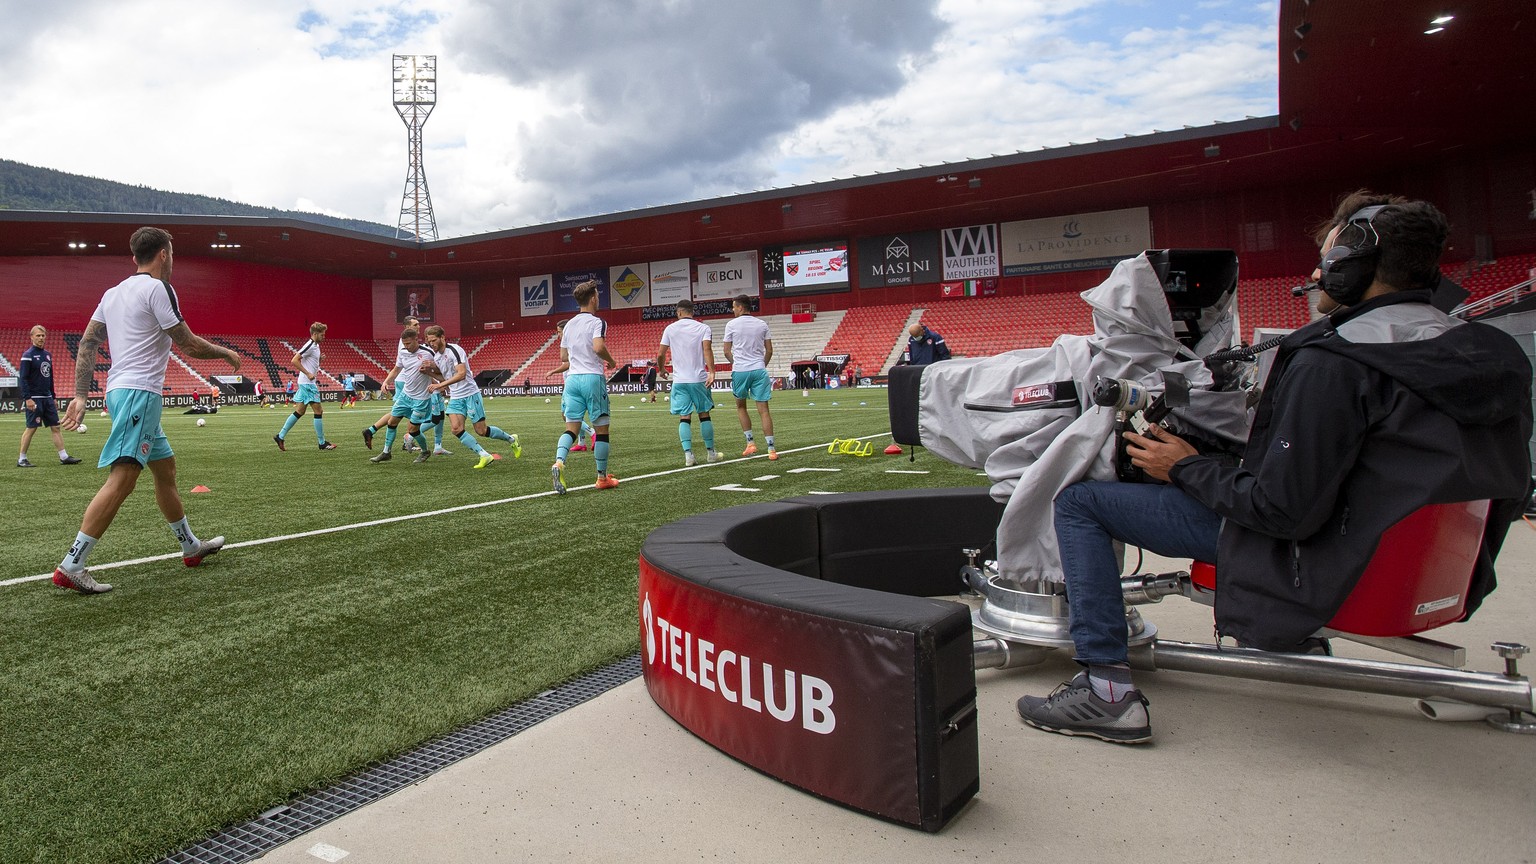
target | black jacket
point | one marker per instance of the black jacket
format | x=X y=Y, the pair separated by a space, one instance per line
x=927 y=348
x=1364 y=418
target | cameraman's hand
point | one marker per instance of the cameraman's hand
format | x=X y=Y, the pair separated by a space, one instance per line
x=1157 y=451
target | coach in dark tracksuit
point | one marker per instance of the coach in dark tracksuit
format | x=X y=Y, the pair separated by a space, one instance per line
x=35 y=378
x=925 y=346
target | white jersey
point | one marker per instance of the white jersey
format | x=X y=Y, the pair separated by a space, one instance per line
x=309 y=358
x=411 y=378
x=686 y=338
x=577 y=341
x=137 y=312
x=448 y=361
x=747 y=336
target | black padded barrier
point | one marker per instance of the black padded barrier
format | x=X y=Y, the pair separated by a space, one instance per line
x=813 y=574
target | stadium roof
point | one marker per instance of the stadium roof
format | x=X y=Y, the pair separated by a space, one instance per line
x=1362 y=88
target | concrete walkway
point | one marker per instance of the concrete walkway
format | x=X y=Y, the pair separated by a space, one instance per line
x=1239 y=771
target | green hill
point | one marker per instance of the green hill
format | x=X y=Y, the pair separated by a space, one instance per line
x=25 y=187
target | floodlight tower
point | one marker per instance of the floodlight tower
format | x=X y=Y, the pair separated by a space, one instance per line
x=415 y=97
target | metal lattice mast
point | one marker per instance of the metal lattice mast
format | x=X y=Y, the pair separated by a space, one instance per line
x=415 y=97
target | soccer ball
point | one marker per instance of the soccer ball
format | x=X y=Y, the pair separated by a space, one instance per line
x=80 y=428
x=202 y=422
x=546 y=400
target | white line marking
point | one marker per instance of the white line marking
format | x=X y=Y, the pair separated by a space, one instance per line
x=733 y=487
x=803 y=470
x=765 y=477
x=327 y=852
x=898 y=471
x=390 y=520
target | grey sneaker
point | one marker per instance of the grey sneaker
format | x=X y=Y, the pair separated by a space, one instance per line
x=382 y=457
x=79 y=581
x=205 y=548
x=1073 y=709
x=438 y=451
x=421 y=456
x=24 y=462
x=689 y=460
x=713 y=456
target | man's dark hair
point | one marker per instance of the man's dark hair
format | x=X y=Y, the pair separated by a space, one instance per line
x=409 y=333
x=685 y=305
x=147 y=242
x=743 y=301
x=1412 y=236
x=584 y=292
x=436 y=330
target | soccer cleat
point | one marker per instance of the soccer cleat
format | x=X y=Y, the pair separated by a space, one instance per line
x=689 y=460
x=1074 y=709
x=751 y=449
x=328 y=445
x=368 y=437
x=517 y=448
x=383 y=457
x=557 y=475
x=278 y=440
x=422 y=455
x=578 y=448
x=204 y=549
x=712 y=456
x=81 y=581
x=773 y=455
x=69 y=460
x=485 y=459
x=441 y=452
x=607 y=482
x=24 y=462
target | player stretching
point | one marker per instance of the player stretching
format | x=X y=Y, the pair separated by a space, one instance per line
x=142 y=318
x=307 y=361
x=464 y=397
x=693 y=373
x=749 y=347
x=584 y=352
x=415 y=368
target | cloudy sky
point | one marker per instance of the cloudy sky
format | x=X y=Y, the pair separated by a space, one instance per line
x=551 y=110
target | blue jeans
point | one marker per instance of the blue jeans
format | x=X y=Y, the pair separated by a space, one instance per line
x=1090 y=515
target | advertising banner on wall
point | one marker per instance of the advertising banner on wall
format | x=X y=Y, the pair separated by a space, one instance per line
x=629 y=286
x=725 y=276
x=1081 y=241
x=537 y=297
x=900 y=259
x=970 y=253
x=566 y=282
x=671 y=281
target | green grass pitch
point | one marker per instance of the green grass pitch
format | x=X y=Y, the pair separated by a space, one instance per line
x=189 y=699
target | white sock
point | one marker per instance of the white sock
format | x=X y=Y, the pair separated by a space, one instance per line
x=183 y=531
x=63 y=454
x=74 y=562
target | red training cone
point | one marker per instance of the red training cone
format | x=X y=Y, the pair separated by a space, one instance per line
x=893 y=450
x=201 y=488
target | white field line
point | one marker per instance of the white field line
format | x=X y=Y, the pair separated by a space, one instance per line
x=373 y=523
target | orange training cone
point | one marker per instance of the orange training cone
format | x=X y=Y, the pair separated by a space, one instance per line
x=201 y=488
x=893 y=450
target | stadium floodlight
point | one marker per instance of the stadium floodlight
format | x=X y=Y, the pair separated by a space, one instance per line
x=415 y=89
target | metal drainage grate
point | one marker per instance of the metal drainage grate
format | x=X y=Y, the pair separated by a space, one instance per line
x=281 y=824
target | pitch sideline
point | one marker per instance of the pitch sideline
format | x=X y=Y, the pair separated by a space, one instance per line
x=410 y=516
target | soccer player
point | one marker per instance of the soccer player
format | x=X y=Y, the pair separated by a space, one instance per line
x=307 y=361
x=693 y=373
x=411 y=324
x=415 y=369
x=35 y=375
x=464 y=397
x=749 y=347
x=348 y=390
x=585 y=433
x=141 y=317
x=585 y=353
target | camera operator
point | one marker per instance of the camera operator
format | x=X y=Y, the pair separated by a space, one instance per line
x=1383 y=406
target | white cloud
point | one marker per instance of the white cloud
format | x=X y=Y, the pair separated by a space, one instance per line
x=548 y=111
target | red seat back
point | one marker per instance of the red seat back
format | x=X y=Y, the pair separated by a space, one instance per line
x=1418 y=578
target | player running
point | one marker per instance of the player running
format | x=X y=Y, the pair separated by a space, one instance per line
x=464 y=397
x=584 y=352
x=749 y=347
x=693 y=373
x=415 y=369
x=307 y=362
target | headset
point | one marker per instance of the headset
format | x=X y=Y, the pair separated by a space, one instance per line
x=1348 y=271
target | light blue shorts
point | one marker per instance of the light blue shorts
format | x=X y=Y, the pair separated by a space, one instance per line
x=690 y=398
x=418 y=410
x=136 y=432
x=472 y=407
x=586 y=395
x=752 y=385
x=306 y=394
x=438 y=402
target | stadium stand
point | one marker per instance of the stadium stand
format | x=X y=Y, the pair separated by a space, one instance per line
x=982 y=326
x=515 y=352
x=868 y=333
